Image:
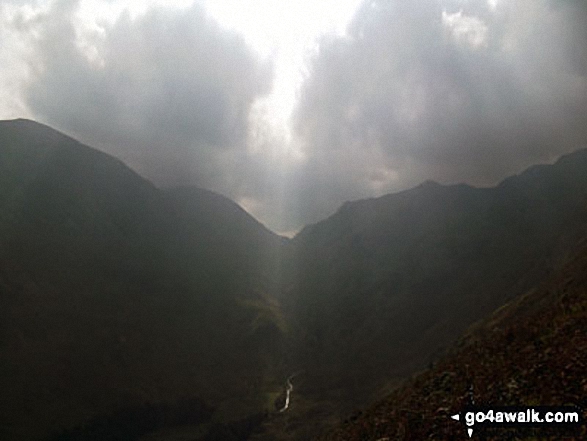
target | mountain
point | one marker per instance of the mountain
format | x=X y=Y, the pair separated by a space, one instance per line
x=138 y=313
x=529 y=352
x=381 y=288
x=115 y=294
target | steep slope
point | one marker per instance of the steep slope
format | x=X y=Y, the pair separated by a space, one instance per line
x=530 y=352
x=385 y=284
x=114 y=293
x=222 y=228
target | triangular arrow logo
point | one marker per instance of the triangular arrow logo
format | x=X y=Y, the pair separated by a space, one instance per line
x=470 y=432
x=456 y=417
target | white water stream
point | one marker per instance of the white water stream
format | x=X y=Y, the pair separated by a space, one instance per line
x=288 y=389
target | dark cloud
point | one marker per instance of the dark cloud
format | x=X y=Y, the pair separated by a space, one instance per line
x=168 y=91
x=446 y=90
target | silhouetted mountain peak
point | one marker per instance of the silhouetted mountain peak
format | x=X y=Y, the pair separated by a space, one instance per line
x=569 y=163
x=40 y=135
x=429 y=183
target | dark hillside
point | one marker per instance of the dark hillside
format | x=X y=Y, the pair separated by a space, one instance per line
x=119 y=300
x=530 y=352
x=116 y=295
x=382 y=286
x=219 y=225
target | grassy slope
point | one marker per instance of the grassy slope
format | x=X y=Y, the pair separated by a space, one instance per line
x=532 y=351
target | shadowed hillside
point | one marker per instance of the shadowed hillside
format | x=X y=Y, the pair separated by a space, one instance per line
x=383 y=286
x=529 y=352
x=115 y=294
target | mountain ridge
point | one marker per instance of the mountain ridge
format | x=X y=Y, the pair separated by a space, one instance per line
x=24 y=124
x=431 y=185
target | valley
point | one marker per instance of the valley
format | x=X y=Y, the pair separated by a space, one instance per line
x=130 y=311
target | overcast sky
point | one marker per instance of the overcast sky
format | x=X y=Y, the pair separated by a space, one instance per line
x=292 y=108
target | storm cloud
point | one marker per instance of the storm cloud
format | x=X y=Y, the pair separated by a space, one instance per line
x=168 y=91
x=454 y=91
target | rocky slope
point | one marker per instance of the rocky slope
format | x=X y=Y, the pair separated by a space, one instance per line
x=530 y=352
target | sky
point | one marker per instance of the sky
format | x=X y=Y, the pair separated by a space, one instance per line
x=292 y=108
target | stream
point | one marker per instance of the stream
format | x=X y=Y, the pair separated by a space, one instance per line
x=288 y=391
